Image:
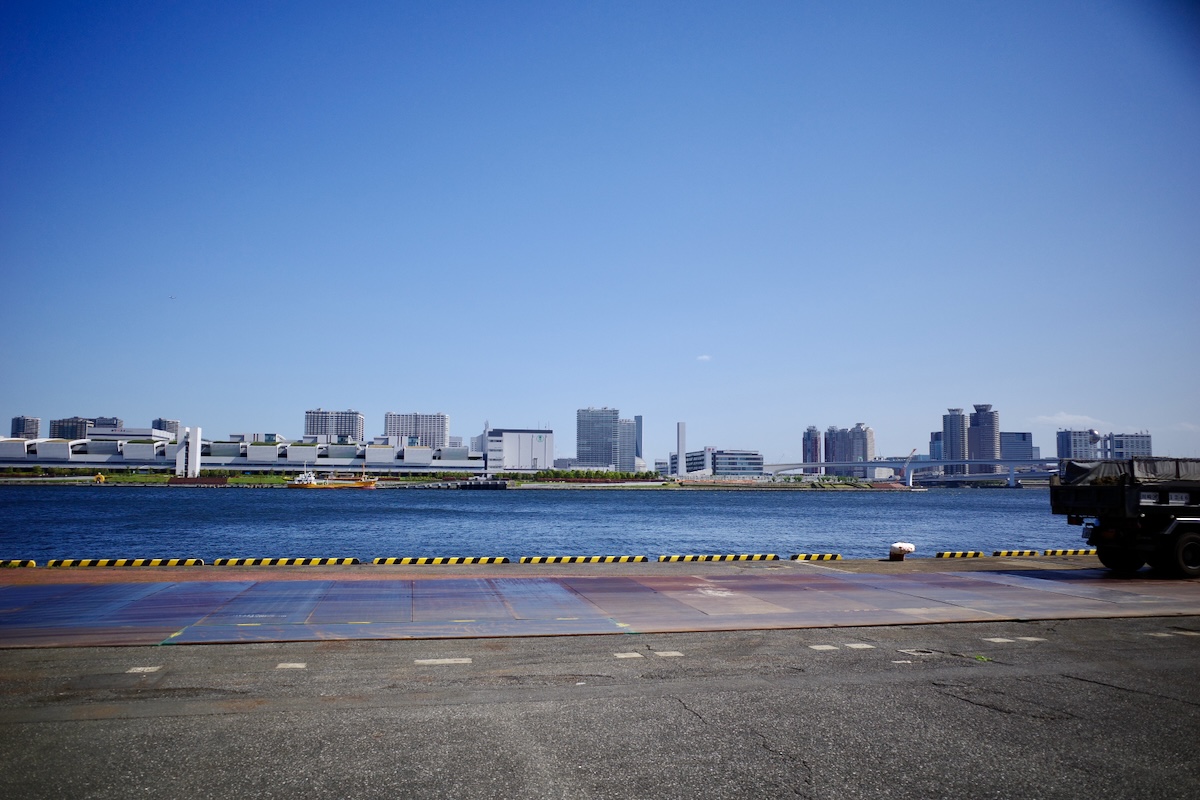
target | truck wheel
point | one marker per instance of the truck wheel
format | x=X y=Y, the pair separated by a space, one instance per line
x=1120 y=560
x=1187 y=555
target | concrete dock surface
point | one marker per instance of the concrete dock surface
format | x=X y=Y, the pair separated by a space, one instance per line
x=1056 y=699
x=194 y=605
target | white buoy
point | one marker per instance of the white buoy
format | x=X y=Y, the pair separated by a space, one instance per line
x=899 y=550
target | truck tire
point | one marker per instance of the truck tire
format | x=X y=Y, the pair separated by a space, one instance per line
x=1187 y=555
x=1120 y=560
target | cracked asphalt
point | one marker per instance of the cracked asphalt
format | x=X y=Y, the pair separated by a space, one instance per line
x=1077 y=708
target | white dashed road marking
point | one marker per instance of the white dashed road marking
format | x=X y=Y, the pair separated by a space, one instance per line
x=1161 y=635
x=292 y=665
x=1031 y=639
x=1188 y=633
x=440 y=661
x=144 y=669
x=822 y=647
x=861 y=646
x=668 y=653
x=628 y=655
x=1000 y=640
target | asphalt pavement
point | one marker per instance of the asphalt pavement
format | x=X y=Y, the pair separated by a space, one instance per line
x=1096 y=708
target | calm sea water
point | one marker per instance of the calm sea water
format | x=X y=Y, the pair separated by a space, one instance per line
x=126 y=522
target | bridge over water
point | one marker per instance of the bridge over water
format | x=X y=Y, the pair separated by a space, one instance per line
x=1039 y=472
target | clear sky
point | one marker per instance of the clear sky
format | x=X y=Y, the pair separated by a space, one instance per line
x=752 y=217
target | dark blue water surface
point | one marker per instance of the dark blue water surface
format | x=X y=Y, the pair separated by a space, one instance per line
x=45 y=522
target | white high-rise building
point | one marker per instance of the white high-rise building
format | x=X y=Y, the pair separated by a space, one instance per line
x=339 y=424
x=432 y=430
x=1083 y=445
x=1126 y=445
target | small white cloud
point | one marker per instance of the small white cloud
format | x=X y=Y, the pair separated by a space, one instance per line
x=1062 y=419
x=704 y=358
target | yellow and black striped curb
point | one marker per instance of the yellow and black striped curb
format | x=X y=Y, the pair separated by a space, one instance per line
x=582 y=559
x=282 y=562
x=1085 y=552
x=17 y=562
x=125 y=562
x=817 y=557
x=960 y=554
x=1016 y=553
x=447 y=560
x=729 y=557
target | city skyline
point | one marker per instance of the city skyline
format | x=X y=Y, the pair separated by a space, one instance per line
x=754 y=219
x=622 y=437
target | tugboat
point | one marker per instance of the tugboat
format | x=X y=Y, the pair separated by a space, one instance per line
x=309 y=480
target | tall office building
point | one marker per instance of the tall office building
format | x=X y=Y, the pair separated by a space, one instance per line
x=1016 y=445
x=432 y=430
x=26 y=427
x=954 y=440
x=341 y=424
x=837 y=448
x=862 y=448
x=983 y=438
x=637 y=421
x=1126 y=445
x=108 y=422
x=596 y=443
x=626 y=445
x=1082 y=445
x=853 y=444
x=812 y=448
x=70 y=428
x=935 y=445
x=171 y=426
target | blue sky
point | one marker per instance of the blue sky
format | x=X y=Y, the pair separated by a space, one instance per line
x=752 y=217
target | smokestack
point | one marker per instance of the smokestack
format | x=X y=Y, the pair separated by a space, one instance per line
x=681 y=448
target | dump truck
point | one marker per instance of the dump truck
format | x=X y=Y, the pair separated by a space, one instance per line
x=1135 y=511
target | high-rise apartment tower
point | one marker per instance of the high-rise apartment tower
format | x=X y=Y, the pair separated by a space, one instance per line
x=433 y=430
x=341 y=424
